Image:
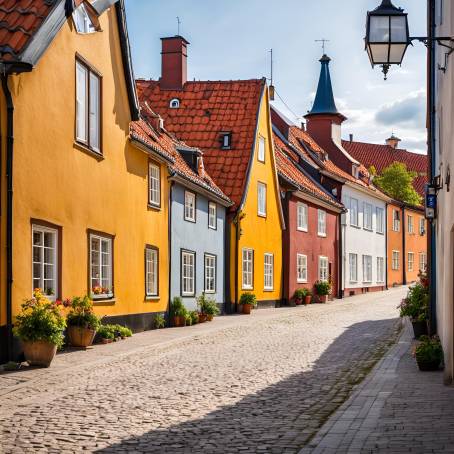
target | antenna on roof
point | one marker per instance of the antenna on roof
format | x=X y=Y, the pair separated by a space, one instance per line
x=179 y=23
x=272 y=89
x=323 y=41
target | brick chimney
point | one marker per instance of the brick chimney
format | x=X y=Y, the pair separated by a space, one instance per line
x=174 y=63
x=393 y=141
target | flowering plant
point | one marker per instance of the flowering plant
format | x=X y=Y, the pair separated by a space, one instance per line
x=82 y=314
x=98 y=290
x=416 y=304
x=322 y=288
x=40 y=320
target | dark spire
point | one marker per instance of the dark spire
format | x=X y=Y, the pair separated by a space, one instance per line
x=324 y=99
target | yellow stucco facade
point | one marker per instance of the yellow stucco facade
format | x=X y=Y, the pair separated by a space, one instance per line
x=58 y=183
x=258 y=232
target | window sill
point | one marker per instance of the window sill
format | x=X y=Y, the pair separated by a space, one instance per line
x=247 y=288
x=301 y=230
x=321 y=235
x=261 y=215
x=94 y=154
x=268 y=290
x=380 y=233
x=104 y=302
x=209 y=292
x=355 y=226
x=190 y=220
x=368 y=230
x=151 y=299
x=301 y=282
x=154 y=207
x=188 y=296
x=353 y=282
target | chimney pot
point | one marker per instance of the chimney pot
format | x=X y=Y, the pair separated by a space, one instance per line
x=174 y=63
x=393 y=141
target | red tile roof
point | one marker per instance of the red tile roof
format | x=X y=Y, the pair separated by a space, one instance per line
x=382 y=156
x=207 y=109
x=167 y=146
x=288 y=168
x=19 y=21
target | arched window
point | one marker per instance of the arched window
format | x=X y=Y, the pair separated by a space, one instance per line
x=174 y=103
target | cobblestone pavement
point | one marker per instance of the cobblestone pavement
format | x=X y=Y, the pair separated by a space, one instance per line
x=260 y=383
x=397 y=409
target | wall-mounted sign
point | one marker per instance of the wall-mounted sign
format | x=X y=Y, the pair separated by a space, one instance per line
x=431 y=202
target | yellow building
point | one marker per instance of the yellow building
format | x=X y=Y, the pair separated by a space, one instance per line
x=230 y=122
x=84 y=204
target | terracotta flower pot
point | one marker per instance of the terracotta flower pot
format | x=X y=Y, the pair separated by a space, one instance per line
x=80 y=337
x=247 y=308
x=178 y=321
x=202 y=318
x=39 y=353
x=106 y=341
x=307 y=299
x=210 y=317
x=323 y=298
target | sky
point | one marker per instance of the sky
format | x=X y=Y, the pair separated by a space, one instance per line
x=231 y=39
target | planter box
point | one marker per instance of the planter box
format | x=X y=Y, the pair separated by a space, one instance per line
x=80 y=337
x=39 y=353
x=179 y=321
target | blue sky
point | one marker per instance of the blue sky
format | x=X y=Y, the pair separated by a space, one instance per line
x=230 y=39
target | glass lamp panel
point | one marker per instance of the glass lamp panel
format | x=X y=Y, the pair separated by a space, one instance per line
x=379 y=29
x=379 y=53
x=399 y=29
x=397 y=52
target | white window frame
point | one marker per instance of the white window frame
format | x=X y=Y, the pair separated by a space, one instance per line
x=380 y=215
x=321 y=223
x=302 y=216
x=247 y=269
x=380 y=270
x=106 y=271
x=261 y=199
x=151 y=271
x=395 y=262
x=411 y=261
x=174 y=103
x=422 y=226
x=323 y=268
x=422 y=262
x=82 y=21
x=210 y=273
x=212 y=215
x=189 y=206
x=261 y=149
x=396 y=220
x=154 y=184
x=268 y=271
x=367 y=269
x=88 y=107
x=42 y=263
x=354 y=216
x=411 y=226
x=301 y=269
x=188 y=259
x=353 y=267
x=367 y=216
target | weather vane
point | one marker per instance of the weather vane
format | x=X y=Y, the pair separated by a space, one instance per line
x=179 y=23
x=323 y=41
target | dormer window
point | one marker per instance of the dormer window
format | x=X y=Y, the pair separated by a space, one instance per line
x=82 y=20
x=355 y=171
x=226 y=140
x=174 y=103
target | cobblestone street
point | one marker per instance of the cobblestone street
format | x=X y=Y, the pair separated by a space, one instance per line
x=264 y=383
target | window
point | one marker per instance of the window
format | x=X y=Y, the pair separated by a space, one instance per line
x=422 y=226
x=101 y=266
x=422 y=262
x=151 y=271
x=301 y=217
x=154 y=185
x=174 y=103
x=301 y=268
x=248 y=268
x=367 y=268
x=396 y=260
x=269 y=272
x=212 y=215
x=82 y=21
x=226 y=140
x=45 y=260
x=261 y=195
x=367 y=219
x=380 y=269
x=353 y=263
x=210 y=273
x=411 y=228
x=189 y=206
x=354 y=212
x=396 y=220
x=411 y=261
x=88 y=107
x=187 y=273
x=323 y=269
x=321 y=223
x=261 y=154
x=380 y=220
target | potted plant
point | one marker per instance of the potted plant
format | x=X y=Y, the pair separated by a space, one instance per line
x=106 y=334
x=159 y=321
x=323 y=289
x=194 y=316
x=40 y=327
x=429 y=353
x=178 y=312
x=81 y=321
x=298 y=296
x=416 y=307
x=203 y=303
x=307 y=296
x=211 y=309
x=248 y=301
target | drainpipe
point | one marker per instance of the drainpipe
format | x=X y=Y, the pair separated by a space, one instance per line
x=341 y=256
x=170 y=247
x=404 y=249
x=386 y=247
x=237 y=246
x=227 y=252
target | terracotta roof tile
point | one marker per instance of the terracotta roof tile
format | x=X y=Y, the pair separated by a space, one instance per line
x=382 y=156
x=19 y=21
x=206 y=109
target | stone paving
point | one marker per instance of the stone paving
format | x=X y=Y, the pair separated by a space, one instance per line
x=260 y=383
x=397 y=409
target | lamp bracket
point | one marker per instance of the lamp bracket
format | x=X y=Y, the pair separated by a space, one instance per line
x=441 y=42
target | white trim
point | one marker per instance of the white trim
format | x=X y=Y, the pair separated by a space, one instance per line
x=323 y=271
x=210 y=216
x=102 y=277
x=305 y=217
x=187 y=279
x=249 y=272
x=154 y=190
x=188 y=196
x=260 y=211
x=303 y=268
x=206 y=266
x=268 y=275
x=321 y=223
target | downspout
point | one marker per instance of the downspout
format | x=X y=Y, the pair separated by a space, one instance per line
x=341 y=255
x=386 y=247
x=237 y=246
x=227 y=243
x=170 y=249
x=404 y=250
x=432 y=164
